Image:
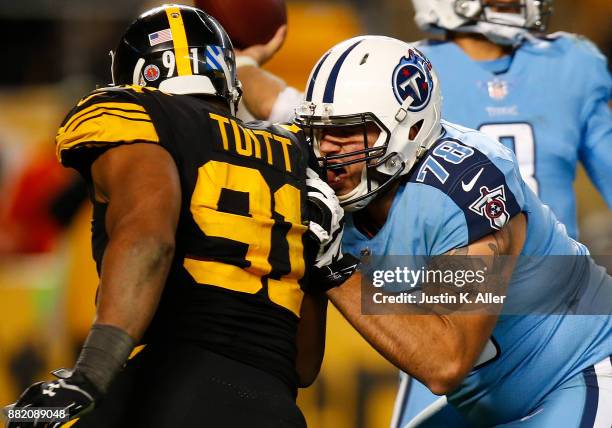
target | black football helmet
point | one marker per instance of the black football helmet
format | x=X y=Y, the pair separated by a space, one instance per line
x=178 y=49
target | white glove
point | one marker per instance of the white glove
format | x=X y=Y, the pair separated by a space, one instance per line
x=331 y=267
x=329 y=227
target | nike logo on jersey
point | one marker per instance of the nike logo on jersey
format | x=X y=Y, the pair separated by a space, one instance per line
x=469 y=186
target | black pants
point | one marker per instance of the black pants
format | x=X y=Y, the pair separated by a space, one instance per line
x=183 y=385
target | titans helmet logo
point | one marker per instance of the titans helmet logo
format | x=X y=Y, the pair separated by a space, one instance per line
x=412 y=79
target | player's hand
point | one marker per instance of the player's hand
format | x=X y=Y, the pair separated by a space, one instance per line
x=326 y=220
x=331 y=267
x=71 y=392
x=263 y=53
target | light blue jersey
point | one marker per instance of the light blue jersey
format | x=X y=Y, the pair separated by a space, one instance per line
x=548 y=102
x=468 y=186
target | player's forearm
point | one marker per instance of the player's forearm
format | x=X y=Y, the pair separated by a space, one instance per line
x=425 y=345
x=260 y=90
x=136 y=263
x=134 y=270
x=311 y=338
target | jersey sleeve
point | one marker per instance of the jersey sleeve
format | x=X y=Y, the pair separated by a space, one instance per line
x=476 y=194
x=100 y=121
x=596 y=118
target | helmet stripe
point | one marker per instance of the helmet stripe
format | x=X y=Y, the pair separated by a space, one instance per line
x=314 y=77
x=210 y=58
x=328 y=95
x=179 y=39
x=215 y=60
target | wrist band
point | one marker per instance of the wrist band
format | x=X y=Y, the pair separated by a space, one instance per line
x=105 y=351
x=245 y=60
x=333 y=275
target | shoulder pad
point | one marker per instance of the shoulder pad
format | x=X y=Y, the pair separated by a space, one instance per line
x=474 y=183
x=106 y=117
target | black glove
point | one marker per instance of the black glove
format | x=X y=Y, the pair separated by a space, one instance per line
x=331 y=268
x=71 y=393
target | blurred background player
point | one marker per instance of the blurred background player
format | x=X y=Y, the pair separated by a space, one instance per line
x=229 y=333
x=501 y=77
x=416 y=185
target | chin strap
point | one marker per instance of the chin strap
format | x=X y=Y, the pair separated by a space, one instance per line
x=236 y=94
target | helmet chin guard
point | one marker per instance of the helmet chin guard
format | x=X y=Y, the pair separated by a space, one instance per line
x=373 y=80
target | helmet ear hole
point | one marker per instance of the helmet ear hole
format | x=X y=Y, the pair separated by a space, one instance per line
x=415 y=129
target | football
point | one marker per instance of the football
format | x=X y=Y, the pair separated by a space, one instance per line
x=248 y=22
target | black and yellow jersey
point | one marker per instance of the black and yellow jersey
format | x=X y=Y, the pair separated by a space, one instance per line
x=234 y=286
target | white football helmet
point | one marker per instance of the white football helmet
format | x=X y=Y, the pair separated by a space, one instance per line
x=380 y=80
x=486 y=17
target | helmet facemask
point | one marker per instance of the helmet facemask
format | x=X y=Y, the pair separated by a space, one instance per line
x=373 y=156
x=532 y=15
x=505 y=23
